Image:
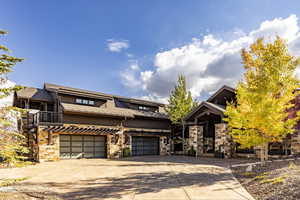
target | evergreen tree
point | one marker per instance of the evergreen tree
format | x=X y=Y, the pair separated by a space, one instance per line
x=11 y=142
x=180 y=103
x=260 y=115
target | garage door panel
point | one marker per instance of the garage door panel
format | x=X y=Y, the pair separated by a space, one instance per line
x=100 y=138
x=65 y=137
x=88 y=138
x=65 y=149
x=65 y=143
x=76 y=138
x=76 y=149
x=78 y=146
x=89 y=149
x=145 y=146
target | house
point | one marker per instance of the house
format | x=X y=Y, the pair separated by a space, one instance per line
x=208 y=132
x=63 y=123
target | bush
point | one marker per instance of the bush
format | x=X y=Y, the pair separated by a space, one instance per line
x=126 y=152
x=191 y=151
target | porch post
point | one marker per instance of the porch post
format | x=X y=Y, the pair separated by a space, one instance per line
x=223 y=142
x=295 y=143
x=196 y=139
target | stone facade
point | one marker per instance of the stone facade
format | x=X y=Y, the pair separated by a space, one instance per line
x=295 y=143
x=196 y=139
x=48 y=146
x=114 y=144
x=223 y=141
x=165 y=145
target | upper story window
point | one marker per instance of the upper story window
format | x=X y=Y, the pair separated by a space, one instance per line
x=85 y=101
x=145 y=108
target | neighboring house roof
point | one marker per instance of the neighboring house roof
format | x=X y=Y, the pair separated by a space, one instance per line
x=214 y=107
x=224 y=87
x=117 y=112
x=34 y=94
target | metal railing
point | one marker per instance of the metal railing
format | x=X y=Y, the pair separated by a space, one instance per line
x=49 y=117
x=43 y=117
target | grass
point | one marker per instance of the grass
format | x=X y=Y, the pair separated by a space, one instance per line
x=11 y=181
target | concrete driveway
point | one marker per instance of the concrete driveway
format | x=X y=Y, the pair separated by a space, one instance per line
x=138 y=178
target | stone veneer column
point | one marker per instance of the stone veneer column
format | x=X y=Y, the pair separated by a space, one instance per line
x=164 y=145
x=115 y=145
x=48 y=151
x=223 y=141
x=295 y=143
x=196 y=139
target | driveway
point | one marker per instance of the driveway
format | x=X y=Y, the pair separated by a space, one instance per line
x=138 y=178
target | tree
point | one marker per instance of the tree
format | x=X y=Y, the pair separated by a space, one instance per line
x=180 y=103
x=260 y=114
x=11 y=142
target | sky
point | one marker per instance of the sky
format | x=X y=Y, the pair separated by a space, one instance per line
x=138 y=48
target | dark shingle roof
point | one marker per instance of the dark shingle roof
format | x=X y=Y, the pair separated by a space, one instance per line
x=113 y=111
x=117 y=112
x=92 y=94
x=34 y=94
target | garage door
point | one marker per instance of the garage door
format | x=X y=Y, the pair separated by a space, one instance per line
x=145 y=146
x=82 y=146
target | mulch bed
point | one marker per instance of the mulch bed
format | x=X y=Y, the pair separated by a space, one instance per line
x=276 y=180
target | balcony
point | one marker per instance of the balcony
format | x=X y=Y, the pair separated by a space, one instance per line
x=35 y=118
x=46 y=117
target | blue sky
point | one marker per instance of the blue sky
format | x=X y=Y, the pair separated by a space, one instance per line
x=67 y=42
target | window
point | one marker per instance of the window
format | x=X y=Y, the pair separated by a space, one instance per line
x=85 y=101
x=79 y=101
x=144 y=108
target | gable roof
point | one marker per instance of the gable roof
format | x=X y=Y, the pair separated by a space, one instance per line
x=34 y=94
x=208 y=103
x=224 y=87
x=214 y=107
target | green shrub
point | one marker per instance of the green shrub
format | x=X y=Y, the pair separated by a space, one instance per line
x=191 y=151
x=126 y=152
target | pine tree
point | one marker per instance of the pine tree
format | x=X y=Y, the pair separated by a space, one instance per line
x=260 y=114
x=180 y=103
x=11 y=142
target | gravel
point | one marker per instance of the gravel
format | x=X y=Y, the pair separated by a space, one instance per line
x=273 y=181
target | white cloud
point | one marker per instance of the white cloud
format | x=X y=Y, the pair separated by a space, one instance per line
x=211 y=62
x=117 y=46
x=7 y=101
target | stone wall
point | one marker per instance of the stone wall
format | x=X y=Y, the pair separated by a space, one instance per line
x=165 y=145
x=48 y=146
x=295 y=143
x=223 y=141
x=115 y=145
x=196 y=139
